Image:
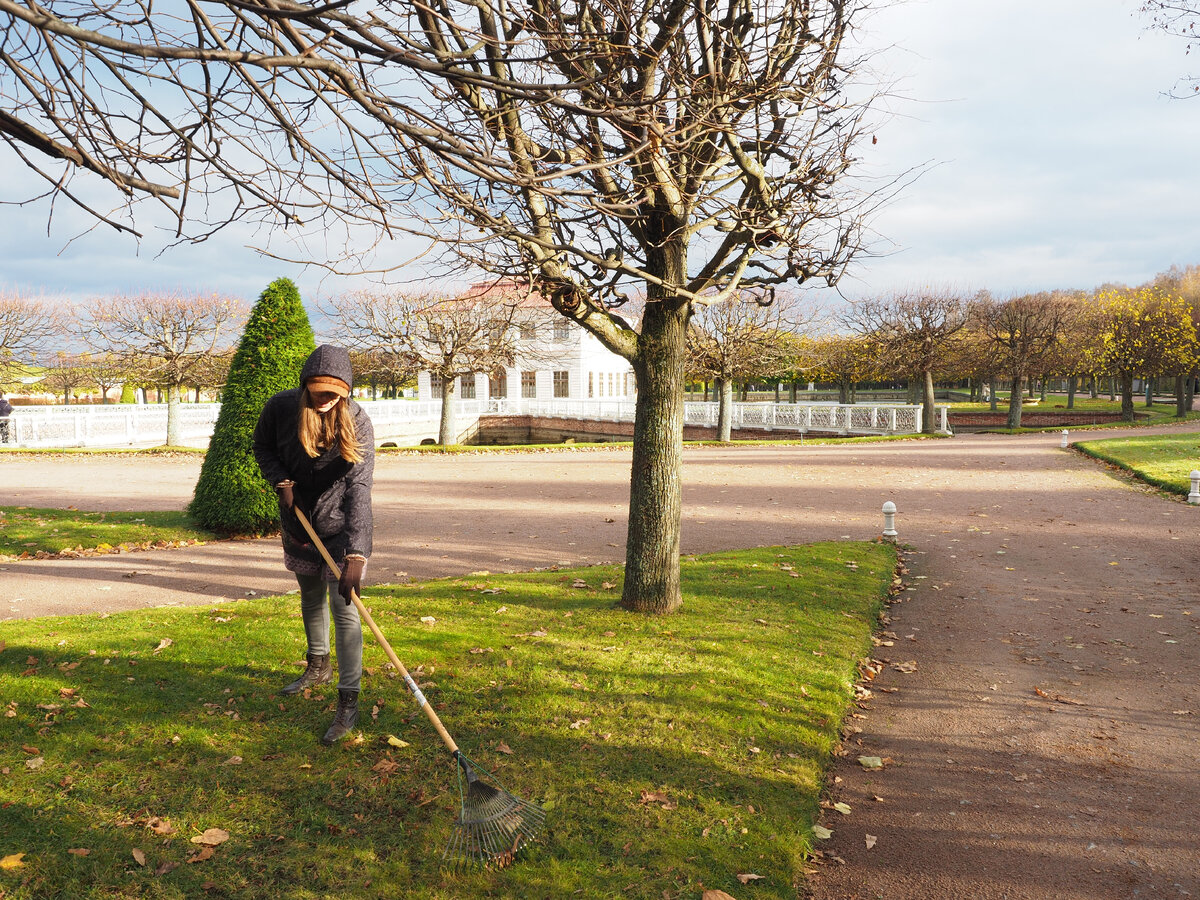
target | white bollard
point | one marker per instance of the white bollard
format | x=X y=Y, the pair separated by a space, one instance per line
x=1194 y=493
x=1064 y=439
x=889 y=520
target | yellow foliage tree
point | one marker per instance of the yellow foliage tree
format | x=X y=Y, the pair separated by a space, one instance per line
x=1147 y=332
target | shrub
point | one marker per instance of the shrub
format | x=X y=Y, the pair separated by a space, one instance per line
x=231 y=496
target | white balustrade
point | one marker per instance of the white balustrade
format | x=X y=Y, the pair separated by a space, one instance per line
x=127 y=425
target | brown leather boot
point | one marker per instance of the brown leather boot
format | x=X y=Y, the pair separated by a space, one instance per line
x=344 y=719
x=319 y=671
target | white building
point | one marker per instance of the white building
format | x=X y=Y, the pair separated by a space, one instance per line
x=556 y=360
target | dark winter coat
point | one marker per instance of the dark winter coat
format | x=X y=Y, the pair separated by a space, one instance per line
x=5 y=407
x=333 y=493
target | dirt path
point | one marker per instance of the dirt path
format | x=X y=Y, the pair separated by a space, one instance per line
x=1045 y=746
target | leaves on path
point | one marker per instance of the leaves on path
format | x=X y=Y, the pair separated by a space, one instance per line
x=821 y=833
x=871 y=762
x=870 y=840
x=1057 y=698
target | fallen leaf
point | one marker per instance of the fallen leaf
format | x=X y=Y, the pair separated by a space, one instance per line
x=428 y=620
x=821 y=833
x=870 y=762
x=161 y=826
x=749 y=877
x=31 y=750
x=579 y=723
x=212 y=837
x=233 y=761
x=871 y=839
x=78 y=851
x=396 y=742
x=12 y=861
x=716 y=895
x=139 y=857
x=36 y=763
x=657 y=797
x=906 y=667
x=843 y=808
x=205 y=853
x=607 y=585
x=165 y=866
x=502 y=747
x=163 y=645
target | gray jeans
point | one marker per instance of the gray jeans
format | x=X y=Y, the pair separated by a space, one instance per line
x=317 y=598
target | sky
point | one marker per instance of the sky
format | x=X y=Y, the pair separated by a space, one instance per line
x=1050 y=156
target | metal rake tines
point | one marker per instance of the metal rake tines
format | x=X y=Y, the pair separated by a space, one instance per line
x=493 y=825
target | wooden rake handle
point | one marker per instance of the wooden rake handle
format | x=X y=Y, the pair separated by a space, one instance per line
x=387 y=648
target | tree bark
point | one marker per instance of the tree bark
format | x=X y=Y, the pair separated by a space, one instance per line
x=1112 y=387
x=1149 y=391
x=724 y=408
x=1126 y=397
x=173 y=415
x=447 y=427
x=929 y=414
x=1072 y=387
x=843 y=392
x=992 y=385
x=1014 y=402
x=652 y=548
x=1180 y=397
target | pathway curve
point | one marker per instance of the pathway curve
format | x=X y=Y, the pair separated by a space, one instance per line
x=1045 y=745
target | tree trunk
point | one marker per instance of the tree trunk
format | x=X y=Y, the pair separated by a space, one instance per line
x=1094 y=388
x=1072 y=387
x=1112 y=387
x=1014 y=403
x=1149 y=391
x=1191 y=389
x=447 y=427
x=652 y=543
x=843 y=392
x=1126 y=398
x=929 y=414
x=1043 y=390
x=1180 y=397
x=173 y=415
x=992 y=385
x=723 y=388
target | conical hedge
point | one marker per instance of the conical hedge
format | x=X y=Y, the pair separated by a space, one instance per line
x=232 y=497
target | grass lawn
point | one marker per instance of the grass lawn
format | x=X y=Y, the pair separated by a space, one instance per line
x=29 y=531
x=672 y=754
x=1162 y=460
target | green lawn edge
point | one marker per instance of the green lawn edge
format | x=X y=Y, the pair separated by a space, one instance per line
x=1163 y=461
x=672 y=753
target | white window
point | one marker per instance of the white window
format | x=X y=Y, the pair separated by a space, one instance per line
x=498 y=385
x=562 y=330
x=529 y=385
x=467 y=387
x=562 y=384
x=591 y=385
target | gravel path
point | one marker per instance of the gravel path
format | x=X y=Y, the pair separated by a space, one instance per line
x=1046 y=743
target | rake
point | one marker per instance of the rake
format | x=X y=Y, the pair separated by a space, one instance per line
x=492 y=825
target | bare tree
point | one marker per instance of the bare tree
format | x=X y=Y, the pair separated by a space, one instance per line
x=106 y=370
x=165 y=337
x=680 y=150
x=27 y=328
x=739 y=339
x=1023 y=336
x=448 y=337
x=1178 y=18
x=916 y=333
x=65 y=373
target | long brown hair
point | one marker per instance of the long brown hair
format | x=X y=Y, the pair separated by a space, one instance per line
x=318 y=432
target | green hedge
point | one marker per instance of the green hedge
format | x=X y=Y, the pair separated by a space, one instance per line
x=231 y=496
